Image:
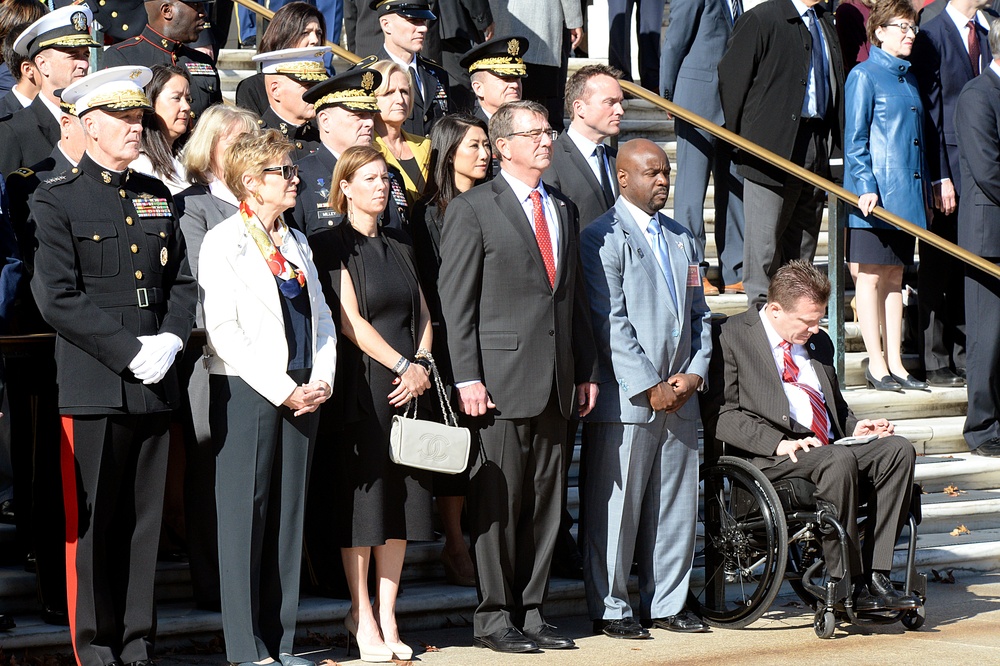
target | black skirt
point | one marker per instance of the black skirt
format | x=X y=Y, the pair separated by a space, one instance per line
x=883 y=247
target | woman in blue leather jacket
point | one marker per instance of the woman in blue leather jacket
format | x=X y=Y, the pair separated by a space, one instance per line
x=885 y=166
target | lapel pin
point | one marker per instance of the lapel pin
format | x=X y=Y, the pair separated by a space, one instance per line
x=812 y=346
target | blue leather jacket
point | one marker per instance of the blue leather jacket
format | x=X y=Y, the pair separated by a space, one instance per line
x=884 y=140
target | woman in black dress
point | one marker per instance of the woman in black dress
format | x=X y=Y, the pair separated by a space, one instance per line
x=384 y=322
x=460 y=158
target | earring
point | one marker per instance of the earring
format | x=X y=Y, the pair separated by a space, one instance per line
x=259 y=199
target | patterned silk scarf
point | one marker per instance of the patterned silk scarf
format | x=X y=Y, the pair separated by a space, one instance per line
x=292 y=280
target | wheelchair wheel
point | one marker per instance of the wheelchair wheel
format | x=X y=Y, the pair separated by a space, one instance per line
x=824 y=623
x=742 y=548
x=913 y=619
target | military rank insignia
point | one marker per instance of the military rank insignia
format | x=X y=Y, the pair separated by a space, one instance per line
x=153 y=207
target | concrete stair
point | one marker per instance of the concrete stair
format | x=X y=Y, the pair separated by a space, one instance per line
x=932 y=420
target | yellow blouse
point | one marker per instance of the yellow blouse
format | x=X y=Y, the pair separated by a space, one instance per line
x=420 y=146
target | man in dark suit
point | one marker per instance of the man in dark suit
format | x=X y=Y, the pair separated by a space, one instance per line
x=947 y=54
x=583 y=168
x=695 y=41
x=164 y=41
x=111 y=277
x=977 y=123
x=523 y=357
x=59 y=45
x=781 y=83
x=27 y=80
x=780 y=401
x=404 y=25
x=288 y=74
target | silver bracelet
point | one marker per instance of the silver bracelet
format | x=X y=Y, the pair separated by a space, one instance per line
x=402 y=365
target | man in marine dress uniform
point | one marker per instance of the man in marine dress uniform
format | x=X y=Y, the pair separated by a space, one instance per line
x=59 y=44
x=172 y=23
x=112 y=279
x=288 y=74
x=404 y=24
x=34 y=417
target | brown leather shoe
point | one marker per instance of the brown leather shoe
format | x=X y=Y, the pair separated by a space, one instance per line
x=710 y=289
x=736 y=288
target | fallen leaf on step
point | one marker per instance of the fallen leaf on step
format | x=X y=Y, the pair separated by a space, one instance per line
x=429 y=648
x=953 y=491
x=960 y=530
x=948 y=577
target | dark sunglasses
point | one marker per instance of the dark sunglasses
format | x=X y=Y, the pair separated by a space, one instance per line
x=288 y=171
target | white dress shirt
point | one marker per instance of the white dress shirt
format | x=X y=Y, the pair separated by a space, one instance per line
x=588 y=149
x=523 y=193
x=803 y=11
x=23 y=99
x=799 y=407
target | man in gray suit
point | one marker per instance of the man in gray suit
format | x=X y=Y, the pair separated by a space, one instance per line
x=522 y=351
x=653 y=331
x=780 y=401
x=583 y=167
x=696 y=39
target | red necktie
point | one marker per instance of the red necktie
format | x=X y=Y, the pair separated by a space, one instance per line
x=542 y=236
x=974 y=52
x=821 y=419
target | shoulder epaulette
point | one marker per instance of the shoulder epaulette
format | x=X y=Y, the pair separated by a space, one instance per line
x=24 y=172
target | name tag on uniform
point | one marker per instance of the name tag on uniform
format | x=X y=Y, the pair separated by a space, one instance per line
x=199 y=69
x=326 y=213
x=152 y=207
x=694 y=276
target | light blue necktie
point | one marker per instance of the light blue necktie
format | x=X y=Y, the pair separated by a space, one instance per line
x=662 y=255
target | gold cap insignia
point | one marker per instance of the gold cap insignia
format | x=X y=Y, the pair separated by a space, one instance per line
x=136 y=73
x=79 y=21
x=163 y=257
x=368 y=81
x=513 y=47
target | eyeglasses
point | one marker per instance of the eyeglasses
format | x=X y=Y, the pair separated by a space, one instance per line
x=904 y=27
x=536 y=134
x=288 y=171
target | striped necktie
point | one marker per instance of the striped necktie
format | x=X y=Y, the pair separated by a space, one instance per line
x=821 y=418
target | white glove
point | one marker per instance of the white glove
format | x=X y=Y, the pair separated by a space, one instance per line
x=155 y=357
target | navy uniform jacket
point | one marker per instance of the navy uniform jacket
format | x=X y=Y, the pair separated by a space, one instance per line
x=21 y=185
x=151 y=48
x=28 y=136
x=110 y=266
x=305 y=137
x=311 y=213
x=9 y=104
x=432 y=102
x=119 y=19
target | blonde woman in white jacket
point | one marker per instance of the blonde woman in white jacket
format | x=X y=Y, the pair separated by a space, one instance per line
x=272 y=356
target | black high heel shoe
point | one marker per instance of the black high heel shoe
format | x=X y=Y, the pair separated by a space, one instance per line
x=910 y=382
x=887 y=383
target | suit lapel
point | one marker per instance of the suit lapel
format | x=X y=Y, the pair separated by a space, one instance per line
x=251 y=268
x=508 y=204
x=678 y=264
x=47 y=124
x=828 y=391
x=957 y=45
x=582 y=165
x=761 y=346
x=565 y=229
x=636 y=239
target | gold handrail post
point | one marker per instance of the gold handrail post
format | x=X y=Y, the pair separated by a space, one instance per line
x=836 y=223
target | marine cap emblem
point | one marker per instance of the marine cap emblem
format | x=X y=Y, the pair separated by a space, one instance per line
x=79 y=21
x=513 y=47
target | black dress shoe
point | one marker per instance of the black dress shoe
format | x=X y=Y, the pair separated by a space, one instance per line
x=684 y=622
x=887 y=383
x=546 y=638
x=909 y=382
x=627 y=627
x=55 y=616
x=864 y=600
x=506 y=640
x=7 y=514
x=889 y=596
x=961 y=373
x=944 y=378
x=6 y=623
x=990 y=449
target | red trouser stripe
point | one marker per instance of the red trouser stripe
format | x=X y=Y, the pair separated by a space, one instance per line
x=67 y=462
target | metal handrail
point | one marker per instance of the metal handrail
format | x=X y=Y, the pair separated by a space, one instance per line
x=267 y=14
x=809 y=177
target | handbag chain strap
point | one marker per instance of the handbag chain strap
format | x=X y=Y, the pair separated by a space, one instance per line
x=411 y=407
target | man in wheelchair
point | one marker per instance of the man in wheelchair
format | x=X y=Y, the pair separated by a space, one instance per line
x=782 y=404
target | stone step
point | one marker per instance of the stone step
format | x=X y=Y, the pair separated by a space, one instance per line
x=977 y=510
x=967 y=471
x=934 y=402
x=979 y=551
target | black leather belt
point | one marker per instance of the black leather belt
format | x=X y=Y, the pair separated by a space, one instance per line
x=141 y=298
